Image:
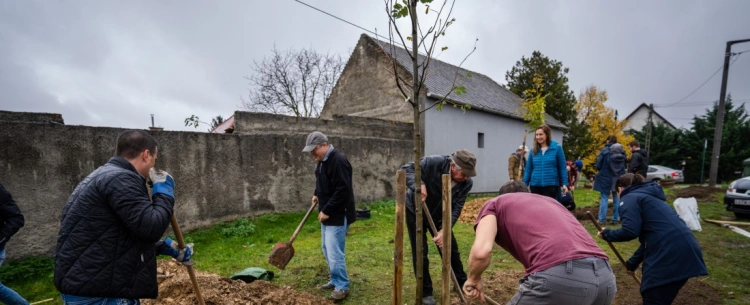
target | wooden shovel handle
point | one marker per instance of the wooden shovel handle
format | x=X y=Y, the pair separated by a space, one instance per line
x=302 y=223
x=622 y=261
x=181 y=243
x=453 y=274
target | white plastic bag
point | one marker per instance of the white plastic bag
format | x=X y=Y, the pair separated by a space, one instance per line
x=687 y=209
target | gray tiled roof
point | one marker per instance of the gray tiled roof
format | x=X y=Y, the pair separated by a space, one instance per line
x=482 y=93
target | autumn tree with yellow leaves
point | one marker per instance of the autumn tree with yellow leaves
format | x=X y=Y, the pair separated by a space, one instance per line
x=599 y=122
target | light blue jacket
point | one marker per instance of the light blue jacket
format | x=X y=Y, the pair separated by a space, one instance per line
x=546 y=169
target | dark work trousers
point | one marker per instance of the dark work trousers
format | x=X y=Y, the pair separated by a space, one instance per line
x=549 y=191
x=456 y=265
x=662 y=295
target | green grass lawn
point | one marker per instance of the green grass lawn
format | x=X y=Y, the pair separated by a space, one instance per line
x=230 y=247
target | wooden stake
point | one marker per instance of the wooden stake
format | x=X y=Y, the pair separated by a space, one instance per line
x=453 y=275
x=42 y=301
x=398 y=240
x=447 y=270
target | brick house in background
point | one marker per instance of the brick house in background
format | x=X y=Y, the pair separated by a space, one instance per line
x=492 y=129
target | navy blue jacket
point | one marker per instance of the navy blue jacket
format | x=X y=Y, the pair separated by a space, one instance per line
x=546 y=169
x=333 y=186
x=606 y=179
x=668 y=250
x=11 y=219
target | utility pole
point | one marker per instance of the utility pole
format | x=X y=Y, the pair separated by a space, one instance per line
x=716 y=150
x=703 y=159
x=649 y=124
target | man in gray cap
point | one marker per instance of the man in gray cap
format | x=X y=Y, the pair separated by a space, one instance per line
x=335 y=197
x=461 y=165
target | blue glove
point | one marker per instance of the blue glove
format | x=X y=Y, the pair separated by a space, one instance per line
x=172 y=249
x=163 y=182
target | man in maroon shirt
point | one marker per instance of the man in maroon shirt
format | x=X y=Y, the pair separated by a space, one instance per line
x=563 y=263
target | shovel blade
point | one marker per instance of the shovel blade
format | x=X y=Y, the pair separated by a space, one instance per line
x=281 y=255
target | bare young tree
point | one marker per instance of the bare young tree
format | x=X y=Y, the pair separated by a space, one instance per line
x=424 y=39
x=293 y=82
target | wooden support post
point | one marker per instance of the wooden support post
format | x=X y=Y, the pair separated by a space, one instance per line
x=447 y=271
x=398 y=239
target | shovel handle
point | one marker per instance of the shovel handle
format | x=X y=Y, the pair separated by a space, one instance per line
x=181 y=243
x=622 y=261
x=302 y=223
x=453 y=274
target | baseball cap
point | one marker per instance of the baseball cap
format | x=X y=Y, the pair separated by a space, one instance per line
x=523 y=147
x=466 y=161
x=313 y=140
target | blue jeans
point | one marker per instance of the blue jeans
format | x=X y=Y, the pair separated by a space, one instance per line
x=7 y=295
x=333 y=240
x=76 y=300
x=585 y=281
x=603 y=207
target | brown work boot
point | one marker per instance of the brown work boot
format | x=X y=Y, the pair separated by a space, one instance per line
x=339 y=294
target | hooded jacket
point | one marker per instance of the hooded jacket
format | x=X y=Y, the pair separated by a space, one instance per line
x=611 y=164
x=668 y=249
x=11 y=219
x=546 y=169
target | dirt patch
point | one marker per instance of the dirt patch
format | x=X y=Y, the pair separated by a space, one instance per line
x=176 y=288
x=471 y=210
x=701 y=193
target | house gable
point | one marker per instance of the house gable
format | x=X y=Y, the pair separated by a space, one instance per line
x=639 y=118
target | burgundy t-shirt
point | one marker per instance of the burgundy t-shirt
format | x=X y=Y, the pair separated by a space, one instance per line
x=538 y=231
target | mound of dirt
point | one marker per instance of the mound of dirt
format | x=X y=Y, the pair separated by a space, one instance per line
x=176 y=288
x=701 y=193
x=471 y=210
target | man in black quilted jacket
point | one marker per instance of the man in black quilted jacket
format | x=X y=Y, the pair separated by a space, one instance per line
x=110 y=229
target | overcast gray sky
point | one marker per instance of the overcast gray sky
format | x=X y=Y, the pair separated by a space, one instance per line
x=112 y=63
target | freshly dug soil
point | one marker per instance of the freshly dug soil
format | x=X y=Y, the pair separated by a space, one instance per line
x=471 y=210
x=177 y=289
x=701 y=193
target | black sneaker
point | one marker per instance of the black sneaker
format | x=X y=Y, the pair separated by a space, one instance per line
x=327 y=286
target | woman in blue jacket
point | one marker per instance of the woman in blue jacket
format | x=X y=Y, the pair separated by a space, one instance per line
x=545 y=171
x=669 y=252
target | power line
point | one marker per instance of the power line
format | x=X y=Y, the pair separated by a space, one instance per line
x=704 y=83
x=701 y=103
x=341 y=19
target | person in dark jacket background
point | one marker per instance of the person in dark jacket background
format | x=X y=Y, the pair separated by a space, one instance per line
x=668 y=250
x=639 y=159
x=611 y=164
x=110 y=228
x=461 y=166
x=545 y=172
x=335 y=194
x=11 y=220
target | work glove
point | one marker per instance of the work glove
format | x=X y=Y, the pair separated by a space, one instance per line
x=163 y=182
x=172 y=248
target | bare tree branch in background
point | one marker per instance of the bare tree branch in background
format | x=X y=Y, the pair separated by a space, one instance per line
x=293 y=82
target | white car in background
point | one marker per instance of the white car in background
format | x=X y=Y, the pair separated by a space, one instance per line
x=658 y=172
x=737 y=198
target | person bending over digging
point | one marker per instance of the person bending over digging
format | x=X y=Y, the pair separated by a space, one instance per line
x=110 y=228
x=563 y=263
x=668 y=250
x=461 y=166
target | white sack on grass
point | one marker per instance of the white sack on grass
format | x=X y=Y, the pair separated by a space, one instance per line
x=687 y=209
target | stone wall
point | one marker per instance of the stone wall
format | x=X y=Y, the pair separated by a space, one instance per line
x=218 y=176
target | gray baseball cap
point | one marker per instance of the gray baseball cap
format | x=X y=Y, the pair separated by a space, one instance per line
x=313 y=140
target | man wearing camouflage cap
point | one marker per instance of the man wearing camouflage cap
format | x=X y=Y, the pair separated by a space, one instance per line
x=461 y=165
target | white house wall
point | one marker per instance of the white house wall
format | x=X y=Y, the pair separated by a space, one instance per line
x=449 y=130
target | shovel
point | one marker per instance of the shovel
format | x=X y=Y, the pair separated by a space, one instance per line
x=622 y=261
x=283 y=252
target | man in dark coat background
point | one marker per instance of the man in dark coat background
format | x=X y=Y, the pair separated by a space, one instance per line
x=639 y=159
